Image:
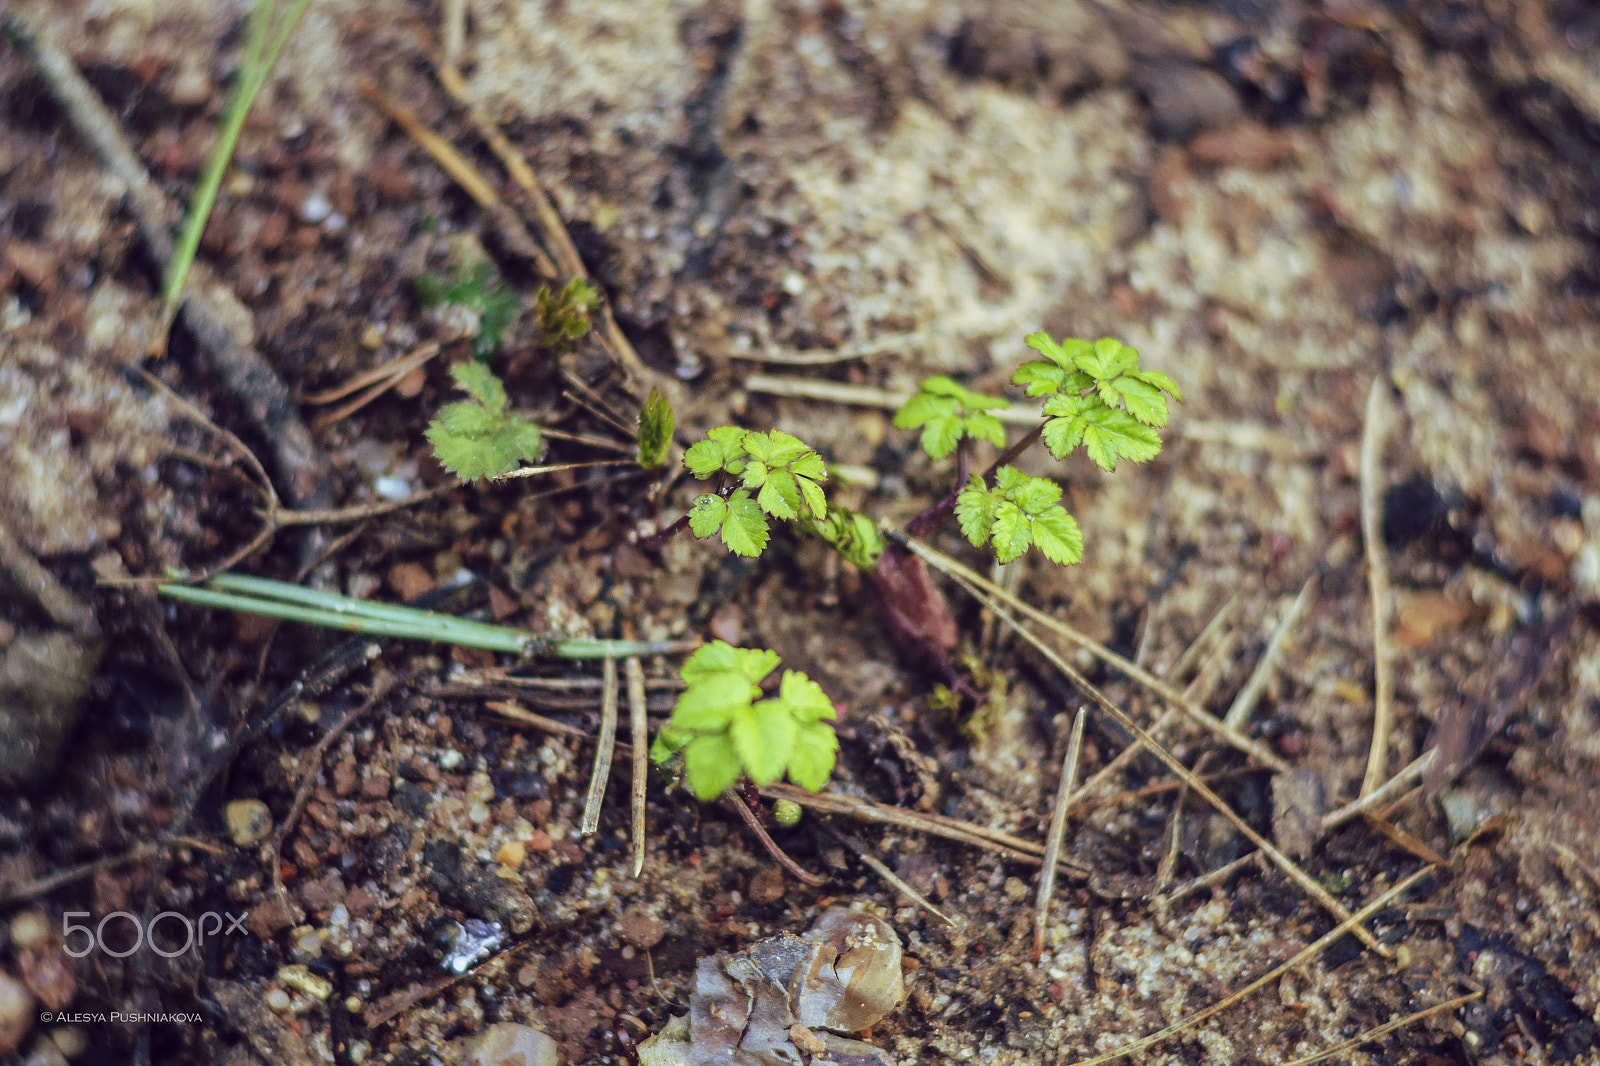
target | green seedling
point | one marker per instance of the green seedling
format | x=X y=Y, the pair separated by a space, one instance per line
x=563 y=318
x=758 y=475
x=478 y=289
x=949 y=413
x=479 y=437
x=724 y=729
x=1098 y=397
x=655 y=430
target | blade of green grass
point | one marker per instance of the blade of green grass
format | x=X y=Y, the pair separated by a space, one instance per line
x=264 y=39
x=295 y=603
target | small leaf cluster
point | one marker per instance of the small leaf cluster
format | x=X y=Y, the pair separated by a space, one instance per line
x=1098 y=397
x=947 y=411
x=1019 y=512
x=477 y=288
x=724 y=727
x=655 y=430
x=563 y=317
x=851 y=534
x=479 y=437
x=774 y=474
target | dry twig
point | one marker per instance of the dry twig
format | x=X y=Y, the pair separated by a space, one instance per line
x=891 y=878
x=604 y=744
x=1245 y=702
x=1372 y=436
x=1058 y=832
x=639 y=732
x=1379 y=1031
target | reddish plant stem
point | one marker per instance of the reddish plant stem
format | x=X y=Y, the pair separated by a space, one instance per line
x=782 y=857
x=934 y=516
x=655 y=540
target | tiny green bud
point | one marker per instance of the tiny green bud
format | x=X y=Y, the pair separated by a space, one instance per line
x=786 y=813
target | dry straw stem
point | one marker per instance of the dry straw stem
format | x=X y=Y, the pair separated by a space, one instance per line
x=1372 y=437
x=639 y=731
x=1197 y=690
x=1385 y=792
x=1012 y=847
x=1307 y=883
x=948 y=566
x=604 y=745
x=1058 y=832
x=918 y=899
x=1377 y=1032
x=1245 y=702
x=1305 y=955
x=377 y=381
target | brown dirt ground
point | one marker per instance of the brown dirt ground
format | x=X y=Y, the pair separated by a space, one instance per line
x=1274 y=201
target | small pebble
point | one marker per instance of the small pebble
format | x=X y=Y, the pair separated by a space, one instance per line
x=512 y=853
x=70 y=1040
x=30 y=930
x=16 y=1013
x=303 y=980
x=315 y=208
x=449 y=759
x=278 y=999
x=249 y=821
x=510 y=1044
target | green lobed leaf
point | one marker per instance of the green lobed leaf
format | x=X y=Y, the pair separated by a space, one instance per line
x=1012 y=531
x=1056 y=534
x=805 y=698
x=786 y=448
x=755 y=474
x=940 y=435
x=1156 y=379
x=1040 y=378
x=655 y=430
x=1009 y=479
x=722 y=449
x=816 y=499
x=1142 y=400
x=810 y=465
x=1035 y=495
x=668 y=743
x=710 y=765
x=1042 y=343
x=812 y=755
x=921 y=407
x=516 y=440
x=975 y=511
x=986 y=427
x=1106 y=358
x=467 y=420
x=708 y=705
x=707 y=515
x=745 y=529
x=780 y=496
x=1110 y=433
x=763 y=737
x=479 y=382
x=1061 y=435
x=467 y=458
x=710 y=659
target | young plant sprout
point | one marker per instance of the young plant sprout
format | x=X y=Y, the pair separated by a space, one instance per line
x=724 y=728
